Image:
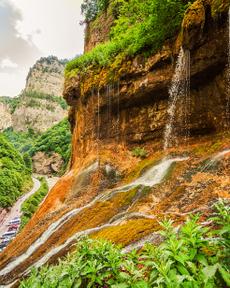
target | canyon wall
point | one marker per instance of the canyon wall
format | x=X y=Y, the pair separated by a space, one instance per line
x=132 y=103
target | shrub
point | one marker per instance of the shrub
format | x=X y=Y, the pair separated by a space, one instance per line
x=191 y=257
x=30 y=206
x=91 y=8
x=139 y=152
x=141 y=27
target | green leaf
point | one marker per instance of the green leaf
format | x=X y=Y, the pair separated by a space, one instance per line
x=121 y=285
x=225 y=275
x=210 y=271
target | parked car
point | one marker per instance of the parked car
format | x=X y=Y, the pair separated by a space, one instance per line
x=9 y=234
x=15 y=222
x=2 y=246
x=13 y=227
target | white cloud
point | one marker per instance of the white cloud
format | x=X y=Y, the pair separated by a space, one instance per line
x=30 y=29
x=8 y=63
x=52 y=25
x=12 y=83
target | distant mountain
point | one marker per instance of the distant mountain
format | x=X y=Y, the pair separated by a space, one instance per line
x=40 y=106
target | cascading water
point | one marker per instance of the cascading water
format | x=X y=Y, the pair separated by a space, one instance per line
x=180 y=101
x=151 y=177
x=215 y=159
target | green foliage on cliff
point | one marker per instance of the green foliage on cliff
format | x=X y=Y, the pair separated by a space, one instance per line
x=192 y=257
x=56 y=139
x=15 y=178
x=30 y=206
x=141 y=27
x=22 y=141
x=139 y=152
x=91 y=8
x=12 y=102
x=34 y=95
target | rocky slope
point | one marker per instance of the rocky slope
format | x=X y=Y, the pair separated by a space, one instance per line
x=110 y=117
x=5 y=116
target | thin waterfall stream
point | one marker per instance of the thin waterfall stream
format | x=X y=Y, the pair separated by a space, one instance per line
x=98 y=127
x=228 y=76
x=179 y=102
x=151 y=177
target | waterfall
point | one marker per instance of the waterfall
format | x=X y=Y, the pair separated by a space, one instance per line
x=228 y=76
x=118 y=111
x=180 y=101
x=98 y=127
x=151 y=177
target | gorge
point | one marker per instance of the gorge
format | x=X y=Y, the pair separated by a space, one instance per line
x=150 y=139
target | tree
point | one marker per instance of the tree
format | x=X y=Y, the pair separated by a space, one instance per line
x=28 y=161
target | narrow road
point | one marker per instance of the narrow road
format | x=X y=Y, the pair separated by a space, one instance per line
x=15 y=211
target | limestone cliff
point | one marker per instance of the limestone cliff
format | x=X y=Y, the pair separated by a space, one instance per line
x=108 y=193
x=5 y=116
x=46 y=76
x=40 y=106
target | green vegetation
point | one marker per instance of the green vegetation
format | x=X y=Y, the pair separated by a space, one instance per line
x=193 y=257
x=15 y=177
x=11 y=102
x=56 y=139
x=30 y=206
x=22 y=141
x=141 y=28
x=33 y=95
x=91 y=8
x=139 y=152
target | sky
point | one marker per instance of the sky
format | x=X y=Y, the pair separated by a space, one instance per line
x=30 y=29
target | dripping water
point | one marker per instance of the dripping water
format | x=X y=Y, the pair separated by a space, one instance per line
x=118 y=112
x=180 y=102
x=98 y=127
x=228 y=76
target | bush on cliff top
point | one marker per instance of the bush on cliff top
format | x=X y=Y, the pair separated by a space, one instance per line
x=91 y=8
x=190 y=258
x=141 y=27
x=15 y=178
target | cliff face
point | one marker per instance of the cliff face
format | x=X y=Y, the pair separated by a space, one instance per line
x=37 y=114
x=40 y=106
x=95 y=33
x=132 y=105
x=108 y=193
x=46 y=76
x=5 y=119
